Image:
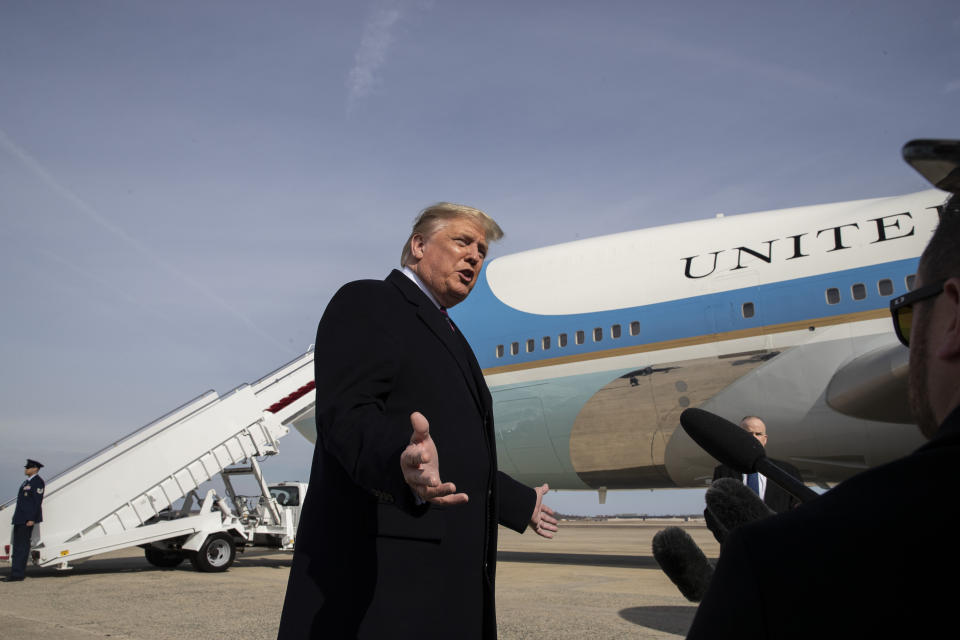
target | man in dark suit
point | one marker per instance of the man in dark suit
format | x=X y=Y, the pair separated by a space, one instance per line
x=772 y=494
x=398 y=534
x=876 y=555
x=28 y=512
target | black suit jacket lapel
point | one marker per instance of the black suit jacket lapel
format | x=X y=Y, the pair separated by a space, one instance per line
x=477 y=373
x=429 y=314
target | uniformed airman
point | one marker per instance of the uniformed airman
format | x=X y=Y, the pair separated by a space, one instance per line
x=27 y=514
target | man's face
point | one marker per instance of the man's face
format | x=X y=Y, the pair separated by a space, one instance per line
x=756 y=428
x=918 y=379
x=449 y=261
x=29 y=471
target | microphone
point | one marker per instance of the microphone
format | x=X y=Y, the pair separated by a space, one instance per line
x=739 y=450
x=730 y=504
x=683 y=562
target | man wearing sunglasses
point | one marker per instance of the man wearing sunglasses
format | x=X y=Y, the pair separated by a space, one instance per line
x=875 y=556
x=923 y=320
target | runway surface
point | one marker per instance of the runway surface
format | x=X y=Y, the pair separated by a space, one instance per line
x=594 y=580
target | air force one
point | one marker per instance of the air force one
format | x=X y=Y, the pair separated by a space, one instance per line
x=592 y=348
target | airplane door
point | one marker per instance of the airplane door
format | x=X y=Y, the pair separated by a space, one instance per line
x=737 y=310
x=522 y=437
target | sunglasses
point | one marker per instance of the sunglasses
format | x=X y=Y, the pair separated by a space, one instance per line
x=902 y=309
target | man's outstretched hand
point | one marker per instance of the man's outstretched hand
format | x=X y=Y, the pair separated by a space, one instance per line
x=421 y=467
x=543 y=520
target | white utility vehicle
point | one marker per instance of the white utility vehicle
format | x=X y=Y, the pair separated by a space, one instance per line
x=124 y=495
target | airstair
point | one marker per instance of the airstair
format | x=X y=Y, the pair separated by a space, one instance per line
x=124 y=495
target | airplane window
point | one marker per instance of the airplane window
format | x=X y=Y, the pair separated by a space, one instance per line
x=545 y=342
x=911 y=280
x=859 y=291
x=747 y=310
x=562 y=339
x=499 y=350
x=578 y=337
x=833 y=295
x=598 y=334
x=634 y=328
x=615 y=331
x=885 y=287
x=514 y=348
x=530 y=345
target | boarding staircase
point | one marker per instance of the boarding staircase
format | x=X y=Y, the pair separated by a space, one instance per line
x=122 y=495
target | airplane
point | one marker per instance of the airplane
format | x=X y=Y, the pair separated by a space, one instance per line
x=592 y=348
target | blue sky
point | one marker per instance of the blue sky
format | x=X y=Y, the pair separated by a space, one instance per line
x=184 y=185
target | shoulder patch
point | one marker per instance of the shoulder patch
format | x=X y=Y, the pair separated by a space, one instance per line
x=39 y=489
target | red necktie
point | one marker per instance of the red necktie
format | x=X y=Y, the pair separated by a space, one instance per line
x=453 y=327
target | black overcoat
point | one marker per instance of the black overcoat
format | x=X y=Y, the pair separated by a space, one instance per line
x=369 y=561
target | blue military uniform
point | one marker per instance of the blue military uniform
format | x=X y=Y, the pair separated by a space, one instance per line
x=29 y=509
x=29 y=501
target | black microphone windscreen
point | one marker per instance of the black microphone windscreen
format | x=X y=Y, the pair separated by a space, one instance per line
x=722 y=439
x=733 y=504
x=683 y=562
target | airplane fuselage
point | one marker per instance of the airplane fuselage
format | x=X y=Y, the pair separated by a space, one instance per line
x=592 y=348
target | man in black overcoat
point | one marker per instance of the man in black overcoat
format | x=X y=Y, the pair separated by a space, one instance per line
x=874 y=557
x=773 y=495
x=398 y=533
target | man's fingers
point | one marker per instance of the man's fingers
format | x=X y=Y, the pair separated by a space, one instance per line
x=545 y=519
x=428 y=482
x=421 y=428
x=414 y=456
x=450 y=499
x=421 y=478
x=549 y=526
x=445 y=494
x=410 y=457
x=439 y=490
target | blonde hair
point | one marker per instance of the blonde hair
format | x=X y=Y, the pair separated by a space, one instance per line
x=436 y=216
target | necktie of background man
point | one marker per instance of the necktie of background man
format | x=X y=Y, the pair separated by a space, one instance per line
x=753 y=481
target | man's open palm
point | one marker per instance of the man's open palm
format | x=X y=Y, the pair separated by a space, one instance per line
x=421 y=466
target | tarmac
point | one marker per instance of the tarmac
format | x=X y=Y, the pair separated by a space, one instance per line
x=594 y=580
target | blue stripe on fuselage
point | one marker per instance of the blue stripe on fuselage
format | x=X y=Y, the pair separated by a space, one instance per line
x=488 y=322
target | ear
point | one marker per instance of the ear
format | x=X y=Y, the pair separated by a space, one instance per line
x=416 y=245
x=949 y=347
